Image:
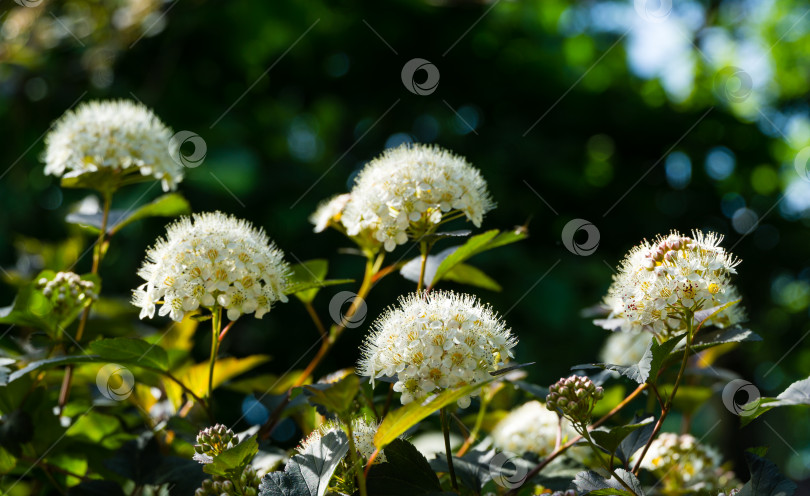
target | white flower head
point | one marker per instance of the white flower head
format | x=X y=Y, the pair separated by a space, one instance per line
x=683 y=462
x=362 y=430
x=329 y=212
x=409 y=190
x=212 y=259
x=658 y=281
x=434 y=341
x=111 y=136
x=530 y=428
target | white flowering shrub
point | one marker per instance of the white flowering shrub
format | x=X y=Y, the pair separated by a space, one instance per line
x=96 y=401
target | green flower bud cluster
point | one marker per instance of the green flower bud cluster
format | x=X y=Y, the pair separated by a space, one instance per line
x=213 y=441
x=246 y=485
x=67 y=291
x=574 y=397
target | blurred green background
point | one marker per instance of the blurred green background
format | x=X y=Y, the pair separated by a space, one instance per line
x=639 y=118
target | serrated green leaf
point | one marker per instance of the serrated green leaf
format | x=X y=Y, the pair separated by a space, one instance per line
x=233 y=461
x=796 y=394
x=660 y=352
x=594 y=483
x=308 y=473
x=168 y=205
x=51 y=362
x=475 y=245
x=132 y=351
x=612 y=438
x=717 y=337
x=765 y=478
x=399 y=421
x=406 y=472
x=337 y=397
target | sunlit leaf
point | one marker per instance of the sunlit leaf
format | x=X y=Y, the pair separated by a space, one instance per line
x=231 y=462
x=168 y=205
x=196 y=377
x=399 y=421
x=308 y=473
x=131 y=351
x=475 y=245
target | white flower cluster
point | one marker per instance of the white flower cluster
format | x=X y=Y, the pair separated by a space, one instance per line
x=111 y=135
x=67 y=290
x=657 y=281
x=212 y=259
x=329 y=212
x=530 y=428
x=683 y=462
x=362 y=430
x=436 y=340
x=409 y=190
x=625 y=348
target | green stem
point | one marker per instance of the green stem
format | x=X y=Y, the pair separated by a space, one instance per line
x=606 y=465
x=423 y=249
x=479 y=421
x=357 y=465
x=98 y=254
x=688 y=315
x=446 y=431
x=216 y=324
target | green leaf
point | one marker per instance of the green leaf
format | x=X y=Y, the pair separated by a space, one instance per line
x=612 y=438
x=399 y=421
x=51 y=362
x=765 y=478
x=595 y=484
x=717 y=337
x=31 y=308
x=647 y=368
x=132 y=351
x=168 y=205
x=232 y=462
x=467 y=274
x=634 y=441
x=196 y=377
x=307 y=278
x=308 y=473
x=660 y=352
x=337 y=397
x=406 y=472
x=538 y=392
x=796 y=394
x=475 y=245
x=310 y=271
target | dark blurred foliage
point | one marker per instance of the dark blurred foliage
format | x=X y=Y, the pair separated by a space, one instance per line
x=289 y=117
